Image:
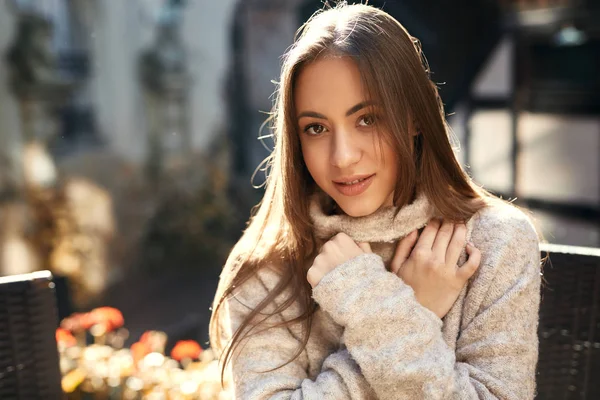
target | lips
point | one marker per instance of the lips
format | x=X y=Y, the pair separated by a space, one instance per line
x=353 y=185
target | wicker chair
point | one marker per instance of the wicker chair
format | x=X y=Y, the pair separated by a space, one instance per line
x=569 y=331
x=29 y=366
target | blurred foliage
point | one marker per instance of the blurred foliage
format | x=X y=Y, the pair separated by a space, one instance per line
x=194 y=224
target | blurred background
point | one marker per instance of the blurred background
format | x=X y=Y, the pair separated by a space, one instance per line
x=129 y=132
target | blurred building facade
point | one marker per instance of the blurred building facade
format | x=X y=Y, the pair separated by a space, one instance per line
x=104 y=128
x=111 y=35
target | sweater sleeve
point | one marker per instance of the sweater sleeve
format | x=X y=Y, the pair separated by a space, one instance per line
x=398 y=344
x=339 y=378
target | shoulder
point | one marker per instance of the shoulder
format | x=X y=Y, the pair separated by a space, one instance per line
x=500 y=220
x=510 y=258
x=267 y=286
x=252 y=289
x=500 y=229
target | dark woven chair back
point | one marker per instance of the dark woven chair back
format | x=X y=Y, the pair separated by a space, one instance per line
x=29 y=367
x=569 y=331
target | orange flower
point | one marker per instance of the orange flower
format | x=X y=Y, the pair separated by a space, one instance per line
x=155 y=340
x=109 y=316
x=146 y=337
x=69 y=324
x=139 y=350
x=64 y=336
x=86 y=320
x=186 y=349
x=77 y=322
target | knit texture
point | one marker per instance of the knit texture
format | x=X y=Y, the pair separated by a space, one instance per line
x=370 y=337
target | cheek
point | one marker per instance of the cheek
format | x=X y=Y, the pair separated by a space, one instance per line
x=388 y=161
x=315 y=161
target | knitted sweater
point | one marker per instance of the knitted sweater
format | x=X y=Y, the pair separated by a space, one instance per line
x=370 y=337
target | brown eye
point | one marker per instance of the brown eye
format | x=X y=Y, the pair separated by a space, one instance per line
x=367 y=120
x=315 y=129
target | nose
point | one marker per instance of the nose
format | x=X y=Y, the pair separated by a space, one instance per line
x=345 y=150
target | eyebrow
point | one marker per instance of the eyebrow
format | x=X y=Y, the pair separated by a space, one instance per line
x=351 y=110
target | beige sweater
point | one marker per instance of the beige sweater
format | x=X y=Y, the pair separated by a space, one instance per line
x=371 y=339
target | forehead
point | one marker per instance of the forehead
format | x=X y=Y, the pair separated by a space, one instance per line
x=329 y=83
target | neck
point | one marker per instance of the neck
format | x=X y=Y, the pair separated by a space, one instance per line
x=387 y=224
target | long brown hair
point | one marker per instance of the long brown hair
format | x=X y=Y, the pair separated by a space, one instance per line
x=396 y=75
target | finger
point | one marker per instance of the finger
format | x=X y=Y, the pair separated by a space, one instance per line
x=469 y=268
x=457 y=244
x=429 y=233
x=403 y=250
x=341 y=238
x=311 y=276
x=365 y=246
x=442 y=239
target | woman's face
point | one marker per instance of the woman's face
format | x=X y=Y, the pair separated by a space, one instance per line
x=339 y=136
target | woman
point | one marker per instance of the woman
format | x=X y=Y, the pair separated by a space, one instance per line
x=346 y=283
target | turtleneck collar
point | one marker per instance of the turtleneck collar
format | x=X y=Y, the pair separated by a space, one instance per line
x=383 y=226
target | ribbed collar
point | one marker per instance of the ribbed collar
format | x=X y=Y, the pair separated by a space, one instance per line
x=383 y=226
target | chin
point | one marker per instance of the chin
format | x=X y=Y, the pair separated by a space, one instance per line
x=357 y=207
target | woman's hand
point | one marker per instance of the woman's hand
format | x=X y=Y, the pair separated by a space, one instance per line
x=431 y=269
x=335 y=252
